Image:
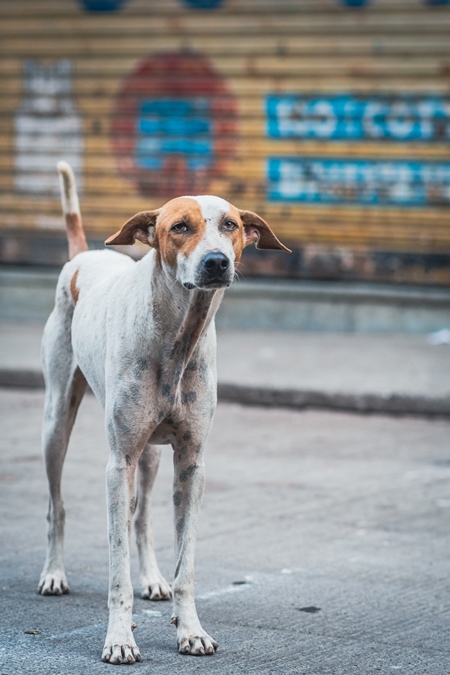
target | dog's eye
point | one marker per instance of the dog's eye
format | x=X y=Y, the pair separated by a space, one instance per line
x=180 y=228
x=229 y=225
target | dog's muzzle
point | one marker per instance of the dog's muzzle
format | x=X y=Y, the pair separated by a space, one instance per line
x=215 y=271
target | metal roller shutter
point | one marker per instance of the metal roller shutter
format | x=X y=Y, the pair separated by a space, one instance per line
x=331 y=120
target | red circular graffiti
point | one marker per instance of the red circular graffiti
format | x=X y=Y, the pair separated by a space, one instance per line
x=174 y=125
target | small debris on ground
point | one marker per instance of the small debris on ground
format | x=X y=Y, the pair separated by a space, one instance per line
x=309 y=610
x=152 y=612
x=32 y=632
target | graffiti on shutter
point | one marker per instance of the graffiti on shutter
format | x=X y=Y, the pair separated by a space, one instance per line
x=47 y=128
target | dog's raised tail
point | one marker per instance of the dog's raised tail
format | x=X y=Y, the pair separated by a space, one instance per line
x=71 y=210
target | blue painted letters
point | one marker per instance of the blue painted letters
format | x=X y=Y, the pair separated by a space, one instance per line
x=348 y=117
x=355 y=181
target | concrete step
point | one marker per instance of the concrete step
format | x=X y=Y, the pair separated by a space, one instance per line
x=28 y=294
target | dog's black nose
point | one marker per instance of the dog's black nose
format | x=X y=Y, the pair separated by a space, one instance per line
x=215 y=263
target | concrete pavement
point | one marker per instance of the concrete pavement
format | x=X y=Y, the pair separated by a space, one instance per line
x=365 y=372
x=322 y=546
x=354 y=347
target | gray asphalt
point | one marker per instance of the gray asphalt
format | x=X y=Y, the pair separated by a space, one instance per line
x=342 y=513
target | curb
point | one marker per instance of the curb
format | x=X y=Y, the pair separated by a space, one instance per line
x=392 y=404
x=21 y=378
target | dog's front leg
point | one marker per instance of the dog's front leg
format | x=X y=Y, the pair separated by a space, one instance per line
x=154 y=586
x=120 y=646
x=189 y=479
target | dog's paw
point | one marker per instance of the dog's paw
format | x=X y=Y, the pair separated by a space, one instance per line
x=197 y=645
x=156 y=589
x=117 y=652
x=53 y=583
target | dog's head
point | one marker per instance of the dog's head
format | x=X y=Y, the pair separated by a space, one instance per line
x=200 y=239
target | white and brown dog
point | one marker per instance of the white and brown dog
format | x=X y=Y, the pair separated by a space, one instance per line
x=142 y=336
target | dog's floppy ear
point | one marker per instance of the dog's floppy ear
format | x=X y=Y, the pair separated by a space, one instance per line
x=141 y=226
x=257 y=231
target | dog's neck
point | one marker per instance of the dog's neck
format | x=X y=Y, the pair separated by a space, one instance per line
x=181 y=317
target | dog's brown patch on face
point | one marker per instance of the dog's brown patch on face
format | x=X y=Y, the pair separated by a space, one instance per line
x=170 y=243
x=74 y=291
x=237 y=235
x=188 y=210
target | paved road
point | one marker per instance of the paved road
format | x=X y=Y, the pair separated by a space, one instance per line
x=346 y=514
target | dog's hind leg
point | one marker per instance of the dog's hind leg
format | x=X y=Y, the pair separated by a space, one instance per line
x=65 y=386
x=154 y=586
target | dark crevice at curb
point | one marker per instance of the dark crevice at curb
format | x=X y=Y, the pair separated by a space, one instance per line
x=27 y=379
x=394 y=404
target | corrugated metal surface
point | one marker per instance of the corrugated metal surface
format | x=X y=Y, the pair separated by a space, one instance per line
x=332 y=122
